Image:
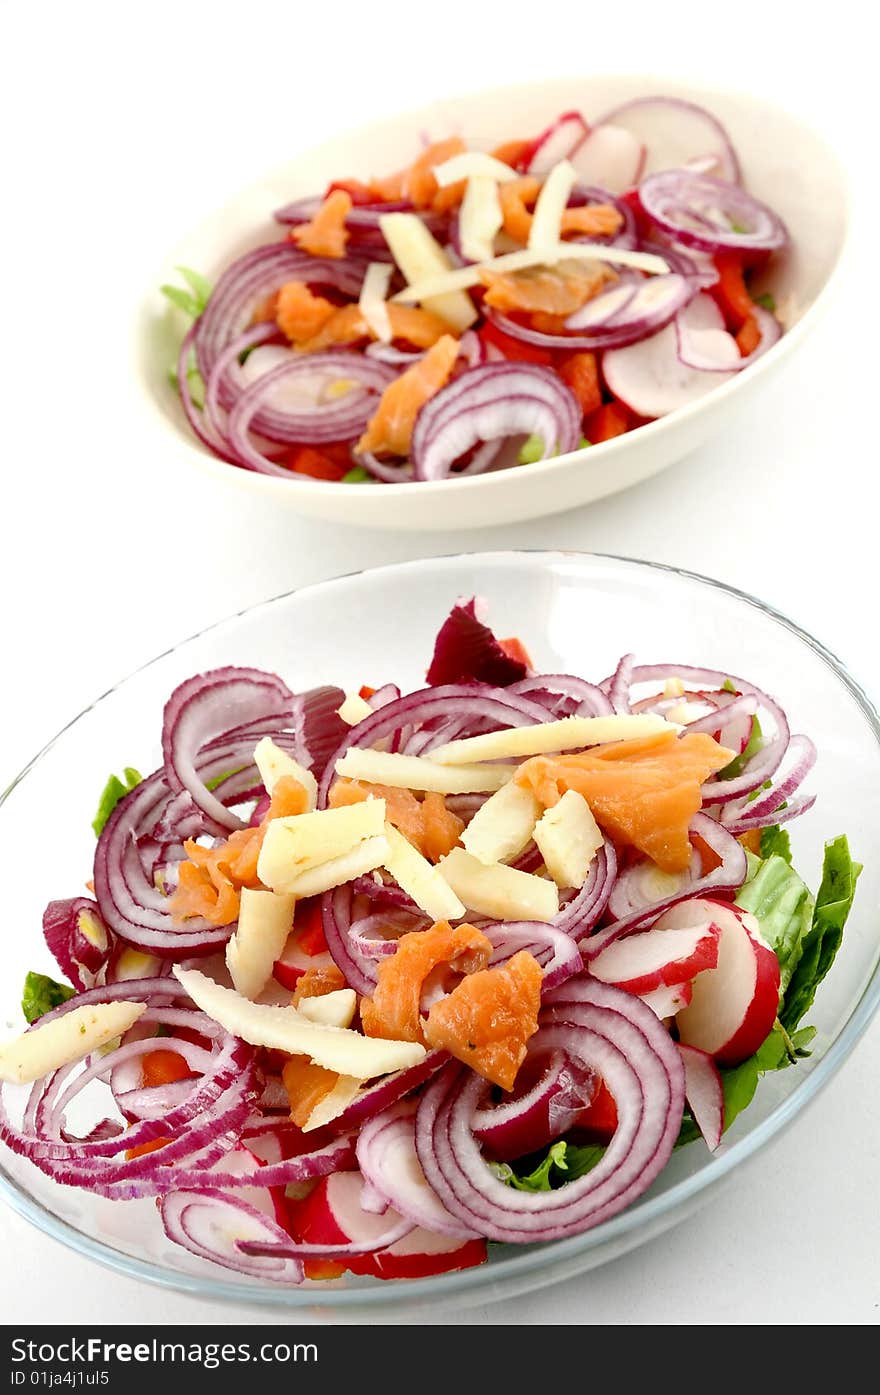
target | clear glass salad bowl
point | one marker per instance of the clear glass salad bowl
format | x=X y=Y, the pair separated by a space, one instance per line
x=576 y=613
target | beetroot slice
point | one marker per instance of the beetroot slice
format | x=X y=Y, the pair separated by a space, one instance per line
x=466 y=651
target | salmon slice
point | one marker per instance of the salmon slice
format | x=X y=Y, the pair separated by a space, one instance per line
x=393 y=1012
x=644 y=792
x=417 y=182
x=306 y=1085
x=390 y=428
x=210 y=879
x=558 y=290
x=488 y=1018
x=427 y=823
x=299 y=313
x=513 y=152
x=326 y=235
x=318 y=981
x=519 y=196
x=346 y=325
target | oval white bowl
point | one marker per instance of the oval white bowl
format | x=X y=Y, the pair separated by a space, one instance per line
x=784 y=162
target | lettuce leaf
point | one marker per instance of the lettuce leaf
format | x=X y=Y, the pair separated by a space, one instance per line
x=41 y=993
x=114 y=790
x=820 y=945
x=563 y=1162
x=783 y=906
x=775 y=842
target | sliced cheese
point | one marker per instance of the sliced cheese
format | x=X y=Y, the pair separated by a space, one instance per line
x=265 y=920
x=473 y=164
x=373 y=297
x=335 y=1009
x=441 y=283
x=300 y=842
x=285 y=1029
x=566 y=734
x=480 y=218
x=344 y=1092
x=366 y=857
x=568 y=838
x=502 y=827
x=133 y=963
x=273 y=764
x=500 y=892
x=546 y=230
x=421 y=258
x=420 y=879
x=71 y=1037
x=354 y=709
x=421 y=772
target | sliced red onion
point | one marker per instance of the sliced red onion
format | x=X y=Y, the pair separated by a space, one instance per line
x=489 y=403
x=559 y=141
x=535 y=1116
x=395 y=1228
x=205 y=708
x=674 y=132
x=710 y=214
x=360 y=217
x=770 y=803
x=642 y=884
x=382 y=1094
x=589 y=699
x=212 y=1226
x=210 y=437
x=554 y=949
x=387 y=1158
x=397 y=358
x=76 y=935
x=793 y=810
x=399 y=473
x=729 y=875
x=605 y=307
x=604 y=1030
x=226 y=370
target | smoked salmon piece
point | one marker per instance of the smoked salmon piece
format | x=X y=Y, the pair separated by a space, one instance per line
x=519 y=196
x=210 y=879
x=306 y=1085
x=489 y=1017
x=315 y=982
x=426 y=823
x=644 y=792
x=393 y=1012
x=558 y=290
x=346 y=325
x=417 y=182
x=299 y=313
x=325 y=235
x=389 y=430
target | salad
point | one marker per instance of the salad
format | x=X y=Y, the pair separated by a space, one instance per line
x=365 y=982
x=485 y=308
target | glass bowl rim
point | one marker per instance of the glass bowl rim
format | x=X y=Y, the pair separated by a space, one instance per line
x=529 y=1260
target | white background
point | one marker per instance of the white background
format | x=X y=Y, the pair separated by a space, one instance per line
x=120 y=126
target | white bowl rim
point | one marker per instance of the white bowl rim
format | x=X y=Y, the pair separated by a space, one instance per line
x=473 y=485
x=527 y=1261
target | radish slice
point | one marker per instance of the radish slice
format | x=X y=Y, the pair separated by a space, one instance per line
x=558 y=142
x=668 y=1000
x=611 y=157
x=704 y=1093
x=212 y=1226
x=675 y=133
x=641 y=962
x=702 y=340
x=602 y=309
x=650 y=378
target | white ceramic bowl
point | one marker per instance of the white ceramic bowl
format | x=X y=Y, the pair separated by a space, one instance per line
x=784 y=163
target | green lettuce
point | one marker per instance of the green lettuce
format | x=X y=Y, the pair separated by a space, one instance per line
x=41 y=993
x=563 y=1162
x=114 y=790
x=783 y=906
x=820 y=944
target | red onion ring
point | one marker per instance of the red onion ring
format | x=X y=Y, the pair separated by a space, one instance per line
x=704 y=212
x=386 y=1155
x=205 y=1222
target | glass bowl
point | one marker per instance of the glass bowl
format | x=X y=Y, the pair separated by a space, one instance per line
x=575 y=612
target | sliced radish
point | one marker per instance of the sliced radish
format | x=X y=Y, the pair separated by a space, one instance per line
x=610 y=157
x=293 y=963
x=704 y=1093
x=703 y=342
x=669 y=999
x=657 y=957
x=650 y=378
x=558 y=142
x=675 y=134
x=734 y=1005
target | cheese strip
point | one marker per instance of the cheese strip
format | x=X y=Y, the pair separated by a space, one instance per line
x=372 y=302
x=421 y=772
x=473 y=164
x=366 y=857
x=335 y=1009
x=480 y=218
x=420 y=879
x=502 y=827
x=419 y=256
x=500 y=892
x=285 y=1029
x=273 y=764
x=344 y=1092
x=65 y=1039
x=354 y=709
x=552 y=203
x=441 y=283
x=568 y=838
x=567 y=734
x=299 y=842
x=265 y=919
